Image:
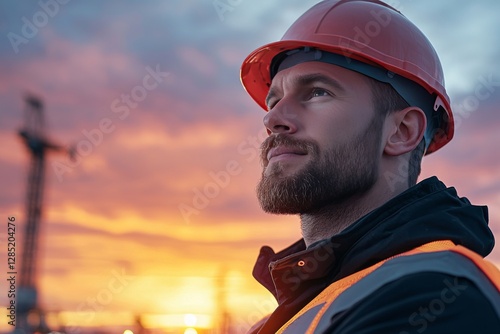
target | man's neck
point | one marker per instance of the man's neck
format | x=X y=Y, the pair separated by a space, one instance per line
x=334 y=218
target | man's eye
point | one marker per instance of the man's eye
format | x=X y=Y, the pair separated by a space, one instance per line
x=271 y=104
x=319 y=92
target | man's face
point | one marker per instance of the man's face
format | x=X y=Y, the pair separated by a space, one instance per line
x=325 y=139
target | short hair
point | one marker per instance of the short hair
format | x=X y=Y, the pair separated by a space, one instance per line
x=386 y=100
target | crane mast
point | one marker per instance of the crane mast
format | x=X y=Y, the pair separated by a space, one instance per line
x=33 y=136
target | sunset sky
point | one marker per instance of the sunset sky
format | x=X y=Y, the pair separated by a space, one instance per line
x=157 y=216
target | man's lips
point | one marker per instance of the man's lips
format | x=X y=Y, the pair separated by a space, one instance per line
x=280 y=150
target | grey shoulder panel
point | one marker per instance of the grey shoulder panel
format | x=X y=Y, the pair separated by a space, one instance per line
x=445 y=262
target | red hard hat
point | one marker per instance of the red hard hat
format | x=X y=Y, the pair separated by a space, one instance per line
x=366 y=31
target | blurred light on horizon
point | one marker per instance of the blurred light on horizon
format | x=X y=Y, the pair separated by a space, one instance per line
x=177 y=320
x=190 y=320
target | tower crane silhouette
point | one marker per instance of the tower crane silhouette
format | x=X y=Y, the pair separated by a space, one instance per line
x=38 y=145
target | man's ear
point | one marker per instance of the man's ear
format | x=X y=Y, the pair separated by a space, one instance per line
x=406 y=129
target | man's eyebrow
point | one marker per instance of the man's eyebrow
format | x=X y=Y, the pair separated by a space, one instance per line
x=307 y=80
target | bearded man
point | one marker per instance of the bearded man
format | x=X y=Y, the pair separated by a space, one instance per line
x=355 y=97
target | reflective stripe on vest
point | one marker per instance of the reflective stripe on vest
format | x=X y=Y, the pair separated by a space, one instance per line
x=440 y=257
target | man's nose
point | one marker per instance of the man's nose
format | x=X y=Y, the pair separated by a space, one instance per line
x=282 y=118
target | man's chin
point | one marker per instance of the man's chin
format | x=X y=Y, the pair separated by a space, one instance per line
x=279 y=210
x=280 y=203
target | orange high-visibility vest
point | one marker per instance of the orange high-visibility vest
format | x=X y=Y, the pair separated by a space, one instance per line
x=438 y=256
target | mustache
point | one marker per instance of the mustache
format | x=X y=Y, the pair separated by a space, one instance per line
x=311 y=147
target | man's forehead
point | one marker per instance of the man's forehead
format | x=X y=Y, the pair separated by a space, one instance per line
x=314 y=69
x=310 y=72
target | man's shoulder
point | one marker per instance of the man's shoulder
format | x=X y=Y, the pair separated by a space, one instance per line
x=455 y=262
x=411 y=293
x=433 y=302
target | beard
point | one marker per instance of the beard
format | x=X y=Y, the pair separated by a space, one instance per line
x=328 y=178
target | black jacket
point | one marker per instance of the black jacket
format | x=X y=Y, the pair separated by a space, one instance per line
x=426 y=212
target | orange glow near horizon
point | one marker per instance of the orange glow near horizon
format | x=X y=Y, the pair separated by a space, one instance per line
x=178 y=321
